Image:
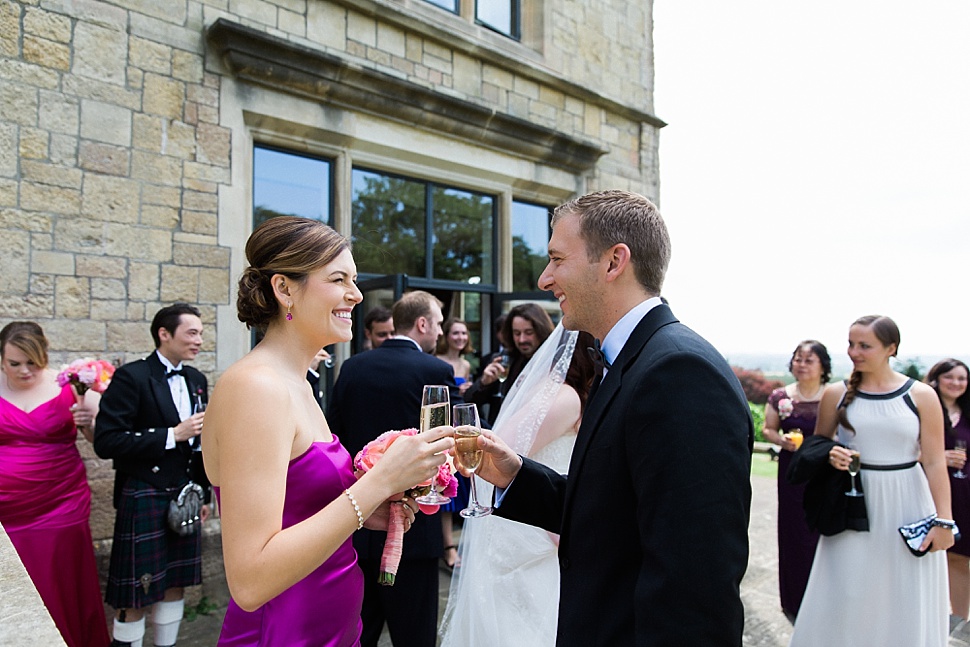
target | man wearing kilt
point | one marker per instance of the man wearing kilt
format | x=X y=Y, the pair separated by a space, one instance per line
x=149 y=423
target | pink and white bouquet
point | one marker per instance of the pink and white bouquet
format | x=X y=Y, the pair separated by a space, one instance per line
x=444 y=480
x=785 y=408
x=85 y=374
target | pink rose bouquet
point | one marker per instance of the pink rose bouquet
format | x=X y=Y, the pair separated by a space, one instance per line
x=445 y=481
x=87 y=373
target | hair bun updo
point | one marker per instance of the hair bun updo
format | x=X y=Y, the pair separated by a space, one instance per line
x=287 y=245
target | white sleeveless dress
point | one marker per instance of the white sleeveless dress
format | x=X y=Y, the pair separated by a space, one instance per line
x=866 y=588
x=507 y=593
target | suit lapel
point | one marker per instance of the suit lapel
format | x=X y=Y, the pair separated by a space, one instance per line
x=161 y=390
x=602 y=397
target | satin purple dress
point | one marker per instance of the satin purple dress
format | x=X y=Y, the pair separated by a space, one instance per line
x=322 y=609
x=796 y=542
x=960 y=488
x=45 y=503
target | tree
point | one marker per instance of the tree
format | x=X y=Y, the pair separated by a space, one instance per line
x=756 y=386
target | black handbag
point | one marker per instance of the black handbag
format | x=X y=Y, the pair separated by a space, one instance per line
x=184 y=510
x=914 y=534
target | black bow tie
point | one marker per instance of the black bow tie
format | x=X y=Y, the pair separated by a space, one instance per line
x=599 y=359
x=175 y=372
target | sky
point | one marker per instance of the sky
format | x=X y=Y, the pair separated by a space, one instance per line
x=816 y=168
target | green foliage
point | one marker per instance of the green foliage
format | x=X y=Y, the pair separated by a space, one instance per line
x=203 y=608
x=911 y=367
x=758 y=415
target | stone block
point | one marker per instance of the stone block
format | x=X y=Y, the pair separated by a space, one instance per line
x=362 y=29
x=63 y=149
x=291 y=22
x=33 y=144
x=104 y=158
x=8 y=195
x=165 y=196
x=129 y=337
x=196 y=201
x=207 y=114
x=327 y=24
x=187 y=66
x=183 y=35
x=100 y=266
x=18 y=103
x=258 y=11
x=42 y=284
x=79 y=235
x=14 y=261
x=198 y=185
x=203 y=95
x=74 y=339
x=93 y=11
x=163 y=96
x=214 y=144
x=114 y=199
x=414 y=48
x=9 y=29
x=31 y=306
x=201 y=255
x=391 y=39
x=108 y=289
x=105 y=122
x=162 y=135
x=45 y=262
x=19 y=71
x=46 y=53
x=497 y=76
x=52 y=199
x=142 y=243
x=46 y=24
x=214 y=286
x=468 y=75
x=43 y=173
x=8 y=149
x=108 y=310
x=157 y=169
x=72 y=297
x=100 y=53
x=160 y=216
x=143 y=281
x=179 y=284
x=200 y=223
x=207 y=172
x=58 y=112
x=41 y=242
x=101 y=91
x=16 y=219
x=150 y=56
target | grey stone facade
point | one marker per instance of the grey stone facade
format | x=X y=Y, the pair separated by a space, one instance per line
x=127 y=130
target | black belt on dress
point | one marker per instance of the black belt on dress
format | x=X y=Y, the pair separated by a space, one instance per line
x=889 y=468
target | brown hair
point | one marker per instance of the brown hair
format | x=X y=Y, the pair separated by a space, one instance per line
x=607 y=218
x=887 y=332
x=581 y=369
x=287 y=245
x=933 y=379
x=27 y=337
x=442 y=346
x=411 y=307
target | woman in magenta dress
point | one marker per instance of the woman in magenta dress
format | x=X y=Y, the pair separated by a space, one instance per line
x=45 y=500
x=949 y=378
x=288 y=498
x=792 y=410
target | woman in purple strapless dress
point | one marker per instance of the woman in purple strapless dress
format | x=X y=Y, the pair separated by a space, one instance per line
x=949 y=378
x=792 y=410
x=288 y=498
x=45 y=500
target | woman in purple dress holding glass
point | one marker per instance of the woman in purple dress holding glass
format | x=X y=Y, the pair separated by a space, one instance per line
x=790 y=416
x=949 y=378
x=288 y=497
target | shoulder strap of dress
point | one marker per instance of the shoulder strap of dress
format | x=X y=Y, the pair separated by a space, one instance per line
x=907 y=398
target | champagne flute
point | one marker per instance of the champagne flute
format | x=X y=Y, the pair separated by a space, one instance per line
x=435 y=412
x=198 y=407
x=504 y=361
x=855 y=463
x=468 y=454
x=960 y=446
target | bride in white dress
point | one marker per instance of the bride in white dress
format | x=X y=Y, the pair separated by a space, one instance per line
x=506 y=589
x=865 y=587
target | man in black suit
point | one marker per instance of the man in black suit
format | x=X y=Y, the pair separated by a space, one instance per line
x=148 y=426
x=653 y=514
x=375 y=392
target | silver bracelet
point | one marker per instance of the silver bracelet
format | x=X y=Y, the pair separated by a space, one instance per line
x=353 y=502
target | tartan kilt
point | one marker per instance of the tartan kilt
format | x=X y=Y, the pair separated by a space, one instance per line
x=146 y=552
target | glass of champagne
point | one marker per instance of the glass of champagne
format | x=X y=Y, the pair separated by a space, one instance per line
x=960 y=446
x=504 y=361
x=198 y=407
x=435 y=412
x=467 y=453
x=855 y=463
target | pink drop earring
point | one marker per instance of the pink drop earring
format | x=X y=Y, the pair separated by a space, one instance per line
x=289 y=315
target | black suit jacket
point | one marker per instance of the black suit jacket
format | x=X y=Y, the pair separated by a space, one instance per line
x=136 y=411
x=654 y=513
x=379 y=390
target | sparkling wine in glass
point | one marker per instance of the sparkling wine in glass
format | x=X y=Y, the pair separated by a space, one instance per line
x=435 y=412
x=960 y=446
x=855 y=462
x=467 y=453
x=504 y=360
x=198 y=407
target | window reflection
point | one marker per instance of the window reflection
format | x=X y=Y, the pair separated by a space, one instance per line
x=500 y=15
x=450 y=5
x=462 y=227
x=286 y=184
x=530 y=242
